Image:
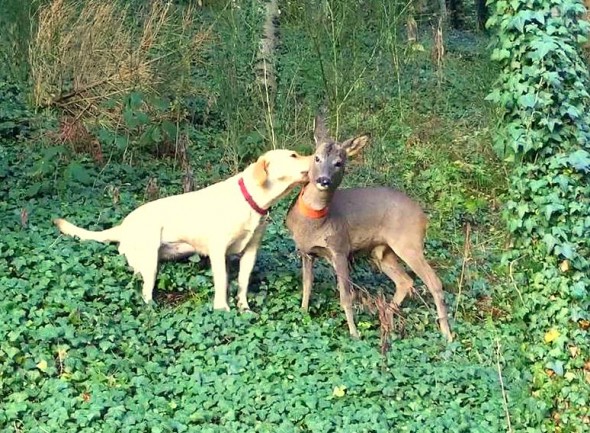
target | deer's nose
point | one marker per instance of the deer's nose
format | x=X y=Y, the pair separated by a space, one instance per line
x=323 y=181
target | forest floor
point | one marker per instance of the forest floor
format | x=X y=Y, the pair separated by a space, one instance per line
x=79 y=351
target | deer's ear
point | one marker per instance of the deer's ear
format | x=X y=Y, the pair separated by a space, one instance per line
x=320 y=133
x=260 y=172
x=352 y=146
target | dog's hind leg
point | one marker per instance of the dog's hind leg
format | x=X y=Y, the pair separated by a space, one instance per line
x=143 y=259
x=219 y=270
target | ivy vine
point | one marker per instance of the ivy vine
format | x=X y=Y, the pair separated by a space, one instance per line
x=543 y=94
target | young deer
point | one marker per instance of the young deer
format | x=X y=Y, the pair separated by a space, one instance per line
x=335 y=223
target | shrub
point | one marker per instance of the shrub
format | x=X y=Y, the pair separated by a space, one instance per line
x=543 y=93
x=108 y=65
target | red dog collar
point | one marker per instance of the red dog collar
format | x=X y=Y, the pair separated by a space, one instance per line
x=249 y=198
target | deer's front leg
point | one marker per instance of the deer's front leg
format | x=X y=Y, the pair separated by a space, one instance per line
x=307 y=272
x=345 y=288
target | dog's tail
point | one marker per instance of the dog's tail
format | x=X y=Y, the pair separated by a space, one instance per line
x=67 y=228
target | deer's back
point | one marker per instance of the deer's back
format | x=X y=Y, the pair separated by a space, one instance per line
x=358 y=219
x=375 y=214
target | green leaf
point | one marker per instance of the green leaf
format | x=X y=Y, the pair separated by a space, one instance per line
x=528 y=100
x=566 y=250
x=541 y=48
x=556 y=366
x=580 y=160
x=550 y=241
x=78 y=173
x=169 y=129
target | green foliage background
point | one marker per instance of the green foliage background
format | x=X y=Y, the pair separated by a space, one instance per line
x=543 y=91
x=80 y=352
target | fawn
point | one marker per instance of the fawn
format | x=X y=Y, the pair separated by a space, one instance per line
x=336 y=223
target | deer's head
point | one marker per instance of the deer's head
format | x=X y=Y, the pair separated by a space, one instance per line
x=329 y=160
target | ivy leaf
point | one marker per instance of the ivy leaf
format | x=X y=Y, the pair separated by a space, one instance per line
x=537 y=184
x=550 y=241
x=580 y=160
x=550 y=208
x=541 y=48
x=78 y=173
x=42 y=365
x=528 y=100
x=500 y=54
x=556 y=366
x=565 y=250
x=573 y=112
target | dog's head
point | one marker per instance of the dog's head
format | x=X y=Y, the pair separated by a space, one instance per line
x=278 y=171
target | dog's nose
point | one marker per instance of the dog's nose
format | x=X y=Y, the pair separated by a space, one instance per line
x=323 y=181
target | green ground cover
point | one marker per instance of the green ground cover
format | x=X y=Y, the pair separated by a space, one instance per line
x=79 y=351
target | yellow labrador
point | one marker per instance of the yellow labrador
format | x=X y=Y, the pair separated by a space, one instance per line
x=224 y=218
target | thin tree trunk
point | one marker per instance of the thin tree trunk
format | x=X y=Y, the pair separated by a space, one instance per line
x=482 y=14
x=442 y=5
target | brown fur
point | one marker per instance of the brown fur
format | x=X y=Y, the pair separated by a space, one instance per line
x=382 y=221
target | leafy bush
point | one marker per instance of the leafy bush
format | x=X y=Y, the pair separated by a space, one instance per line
x=543 y=92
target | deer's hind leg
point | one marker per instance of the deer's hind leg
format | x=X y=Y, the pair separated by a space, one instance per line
x=412 y=253
x=387 y=262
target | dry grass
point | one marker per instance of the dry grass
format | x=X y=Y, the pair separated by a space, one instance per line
x=86 y=53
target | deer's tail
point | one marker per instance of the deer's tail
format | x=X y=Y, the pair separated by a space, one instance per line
x=110 y=235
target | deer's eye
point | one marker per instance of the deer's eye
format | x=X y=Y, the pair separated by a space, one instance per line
x=293 y=155
x=338 y=164
x=317 y=159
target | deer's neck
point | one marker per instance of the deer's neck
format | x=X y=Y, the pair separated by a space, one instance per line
x=316 y=199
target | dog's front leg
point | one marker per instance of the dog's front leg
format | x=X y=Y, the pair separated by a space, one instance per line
x=246 y=265
x=219 y=280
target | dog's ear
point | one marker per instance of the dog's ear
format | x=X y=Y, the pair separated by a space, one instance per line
x=260 y=173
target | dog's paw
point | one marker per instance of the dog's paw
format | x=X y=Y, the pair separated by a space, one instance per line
x=243 y=305
x=221 y=307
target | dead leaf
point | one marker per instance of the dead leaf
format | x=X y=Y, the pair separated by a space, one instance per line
x=24 y=218
x=42 y=365
x=564 y=266
x=339 y=391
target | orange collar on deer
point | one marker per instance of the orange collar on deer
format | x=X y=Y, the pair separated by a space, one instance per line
x=308 y=211
x=249 y=198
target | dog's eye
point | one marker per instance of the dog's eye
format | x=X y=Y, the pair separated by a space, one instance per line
x=338 y=164
x=293 y=155
x=317 y=159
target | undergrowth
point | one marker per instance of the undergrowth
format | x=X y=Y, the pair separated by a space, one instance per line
x=79 y=351
x=543 y=92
